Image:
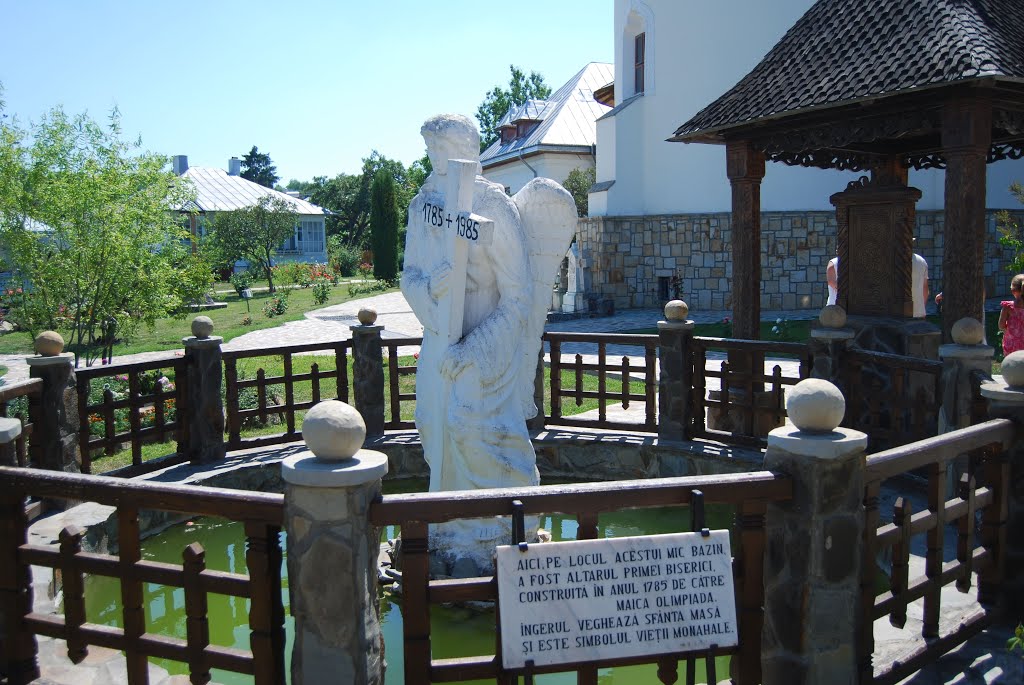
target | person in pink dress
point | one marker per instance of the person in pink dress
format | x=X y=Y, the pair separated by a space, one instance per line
x=1011 y=317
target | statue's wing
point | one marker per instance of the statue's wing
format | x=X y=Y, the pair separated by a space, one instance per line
x=548 y=213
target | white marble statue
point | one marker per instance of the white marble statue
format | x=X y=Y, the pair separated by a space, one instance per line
x=478 y=272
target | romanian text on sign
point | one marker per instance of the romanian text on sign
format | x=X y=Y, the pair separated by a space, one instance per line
x=591 y=600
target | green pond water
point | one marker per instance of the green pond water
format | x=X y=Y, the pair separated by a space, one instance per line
x=454 y=631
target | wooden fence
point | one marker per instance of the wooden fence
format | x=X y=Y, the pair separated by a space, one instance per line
x=25 y=394
x=982 y=487
x=748 y=493
x=147 y=411
x=262 y=515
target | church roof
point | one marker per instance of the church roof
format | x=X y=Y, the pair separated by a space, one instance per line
x=566 y=118
x=844 y=51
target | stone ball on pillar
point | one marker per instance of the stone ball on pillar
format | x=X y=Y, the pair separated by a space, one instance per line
x=676 y=310
x=202 y=327
x=815 y=406
x=333 y=431
x=968 y=331
x=367 y=316
x=832 y=316
x=48 y=344
x=1013 y=369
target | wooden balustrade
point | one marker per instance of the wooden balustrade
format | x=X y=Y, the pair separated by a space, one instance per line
x=20 y=399
x=263 y=516
x=984 y=486
x=394 y=375
x=158 y=409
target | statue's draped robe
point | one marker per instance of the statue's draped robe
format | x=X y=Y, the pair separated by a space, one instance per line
x=482 y=415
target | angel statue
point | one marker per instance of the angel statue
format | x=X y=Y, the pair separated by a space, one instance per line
x=479 y=268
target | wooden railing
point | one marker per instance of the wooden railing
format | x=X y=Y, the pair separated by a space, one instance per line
x=262 y=515
x=749 y=402
x=983 y=486
x=394 y=375
x=894 y=399
x=144 y=416
x=20 y=399
x=620 y=368
x=749 y=493
x=284 y=407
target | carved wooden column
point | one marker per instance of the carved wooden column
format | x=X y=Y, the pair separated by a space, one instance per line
x=966 y=137
x=745 y=168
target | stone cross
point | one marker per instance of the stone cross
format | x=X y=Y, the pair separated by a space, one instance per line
x=462 y=227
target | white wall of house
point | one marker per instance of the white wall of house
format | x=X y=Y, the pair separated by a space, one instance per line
x=555 y=166
x=695 y=51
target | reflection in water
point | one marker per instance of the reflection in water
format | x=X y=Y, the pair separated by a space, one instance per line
x=455 y=632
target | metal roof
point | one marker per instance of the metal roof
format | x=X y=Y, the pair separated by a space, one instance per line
x=848 y=50
x=567 y=118
x=218 y=191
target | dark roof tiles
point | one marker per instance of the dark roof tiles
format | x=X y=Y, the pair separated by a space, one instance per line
x=843 y=50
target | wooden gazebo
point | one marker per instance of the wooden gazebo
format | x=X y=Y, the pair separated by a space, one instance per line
x=880 y=86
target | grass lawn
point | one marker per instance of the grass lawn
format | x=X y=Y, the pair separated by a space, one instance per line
x=301 y=364
x=167 y=333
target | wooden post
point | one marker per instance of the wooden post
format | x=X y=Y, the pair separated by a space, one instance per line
x=745 y=168
x=966 y=137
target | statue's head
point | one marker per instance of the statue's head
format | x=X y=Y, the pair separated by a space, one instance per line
x=450 y=136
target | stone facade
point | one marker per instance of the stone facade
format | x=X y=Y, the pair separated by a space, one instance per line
x=625 y=257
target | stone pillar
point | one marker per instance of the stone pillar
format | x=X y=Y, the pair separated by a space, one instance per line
x=959 y=360
x=813 y=552
x=368 y=371
x=204 y=403
x=966 y=137
x=828 y=342
x=10 y=429
x=54 y=443
x=536 y=423
x=332 y=550
x=675 y=372
x=1006 y=401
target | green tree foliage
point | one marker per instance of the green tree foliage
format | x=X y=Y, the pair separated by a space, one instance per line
x=254 y=233
x=578 y=184
x=87 y=225
x=499 y=101
x=258 y=168
x=1012 y=232
x=384 y=226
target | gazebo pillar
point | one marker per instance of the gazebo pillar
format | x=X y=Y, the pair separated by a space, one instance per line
x=966 y=137
x=745 y=167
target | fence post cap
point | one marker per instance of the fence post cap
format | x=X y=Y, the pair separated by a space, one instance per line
x=57 y=360
x=676 y=325
x=304 y=469
x=367 y=316
x=952 y=351
x=48 y=344
x=202 y=343
x=836 y=444
x=202 y=327
x=832 y=316
x=10 y=429
x=968 y=331
x=676 y=310
x=362 y=329
x=815 y=405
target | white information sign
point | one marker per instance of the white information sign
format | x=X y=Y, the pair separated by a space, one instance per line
x=591 y=600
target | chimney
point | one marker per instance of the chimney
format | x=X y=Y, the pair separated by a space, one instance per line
x=180 y=164
x=234 y=166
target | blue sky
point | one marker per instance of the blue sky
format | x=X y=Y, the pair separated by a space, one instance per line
x=317 y=85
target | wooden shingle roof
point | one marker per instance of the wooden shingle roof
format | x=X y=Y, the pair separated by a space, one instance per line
x=849 y=51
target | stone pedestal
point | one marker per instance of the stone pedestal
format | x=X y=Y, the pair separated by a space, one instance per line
x=674 y=379
x=813 y=558
x=1007 y=403
x=332 y=568
x=826 y=345
x=958 y=363
x=368 y=377
x=205 y=413
x=55 y=428
x=10 y=429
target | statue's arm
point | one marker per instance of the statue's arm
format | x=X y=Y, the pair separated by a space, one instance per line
x=494 y=345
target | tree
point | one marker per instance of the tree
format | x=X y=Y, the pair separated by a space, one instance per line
x=578 y=183
x=1012 y=234
x=86 y=221
x=384 y=226
x=499 y=101
x=258 y=168
x=254 y=233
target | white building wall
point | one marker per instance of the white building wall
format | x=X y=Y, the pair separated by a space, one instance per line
x=695 y=52
x=517 y=174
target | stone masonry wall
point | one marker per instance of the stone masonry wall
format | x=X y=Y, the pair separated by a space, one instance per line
x=626 y=256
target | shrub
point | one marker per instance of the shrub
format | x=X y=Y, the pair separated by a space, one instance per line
x=321 y=290
x=296 y=273
x=246 y=320
x=343 y=259
x=241 y=280
x=276 y=305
